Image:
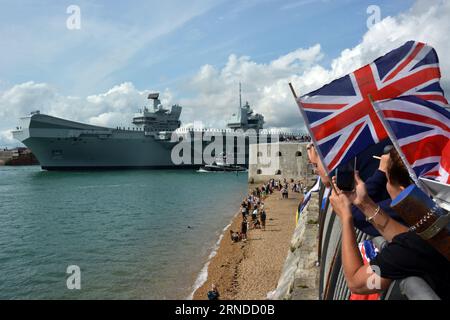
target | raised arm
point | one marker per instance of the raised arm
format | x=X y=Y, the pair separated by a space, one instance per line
x=385 y=225
x=359 y=277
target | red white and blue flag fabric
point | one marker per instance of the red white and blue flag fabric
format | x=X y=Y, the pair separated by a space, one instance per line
x=306 y=199
x=444 y=169
x=421 y=130
x=340 y=116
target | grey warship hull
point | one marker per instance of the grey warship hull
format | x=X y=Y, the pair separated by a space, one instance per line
x=61 y=144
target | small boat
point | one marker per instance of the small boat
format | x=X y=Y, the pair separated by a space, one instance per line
x=220 y=165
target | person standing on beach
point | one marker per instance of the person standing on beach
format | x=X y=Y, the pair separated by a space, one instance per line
x=244 y=208
x=255 y=213
x=263 y=219
x=283 y=193
x=244 y=229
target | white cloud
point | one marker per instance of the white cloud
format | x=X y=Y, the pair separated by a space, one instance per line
x=7 y=140
x=113 y=108
x=213 y=92
x=266 y=85
x=427 y=21
x=24 y=98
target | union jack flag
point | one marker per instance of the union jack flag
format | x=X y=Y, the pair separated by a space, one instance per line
x=422 y=130
x=340 y=116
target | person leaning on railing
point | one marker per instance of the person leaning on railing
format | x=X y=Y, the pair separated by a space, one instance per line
x=405 y=255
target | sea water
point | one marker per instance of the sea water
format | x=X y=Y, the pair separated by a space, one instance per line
x=132 y=234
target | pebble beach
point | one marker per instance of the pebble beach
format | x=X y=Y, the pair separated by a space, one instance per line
x=249 y=270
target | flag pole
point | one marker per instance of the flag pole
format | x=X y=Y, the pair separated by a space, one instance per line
x=308 y=127
x=313 y=139
x=394 y=140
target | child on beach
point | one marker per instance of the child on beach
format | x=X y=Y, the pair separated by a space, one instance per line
x=234 y=236
x=214 y=293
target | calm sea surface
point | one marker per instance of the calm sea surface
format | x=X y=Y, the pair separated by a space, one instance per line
x=126 y=230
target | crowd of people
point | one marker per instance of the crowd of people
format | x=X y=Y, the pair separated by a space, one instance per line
x=368 y=208
x=294 y=138
x=254 y=214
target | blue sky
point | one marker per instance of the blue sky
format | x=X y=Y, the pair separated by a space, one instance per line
x=195 y=53
x=142 y=42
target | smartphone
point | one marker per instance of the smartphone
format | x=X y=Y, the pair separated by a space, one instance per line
x=345 y=176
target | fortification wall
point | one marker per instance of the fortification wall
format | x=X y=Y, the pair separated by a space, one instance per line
x=299 y=279
x=278 y=160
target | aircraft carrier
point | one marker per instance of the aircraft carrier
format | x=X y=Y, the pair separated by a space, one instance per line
x=61 y=144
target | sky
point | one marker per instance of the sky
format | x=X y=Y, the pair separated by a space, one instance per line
x=195 y=53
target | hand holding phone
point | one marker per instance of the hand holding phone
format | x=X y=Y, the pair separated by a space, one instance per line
x=345 y=176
